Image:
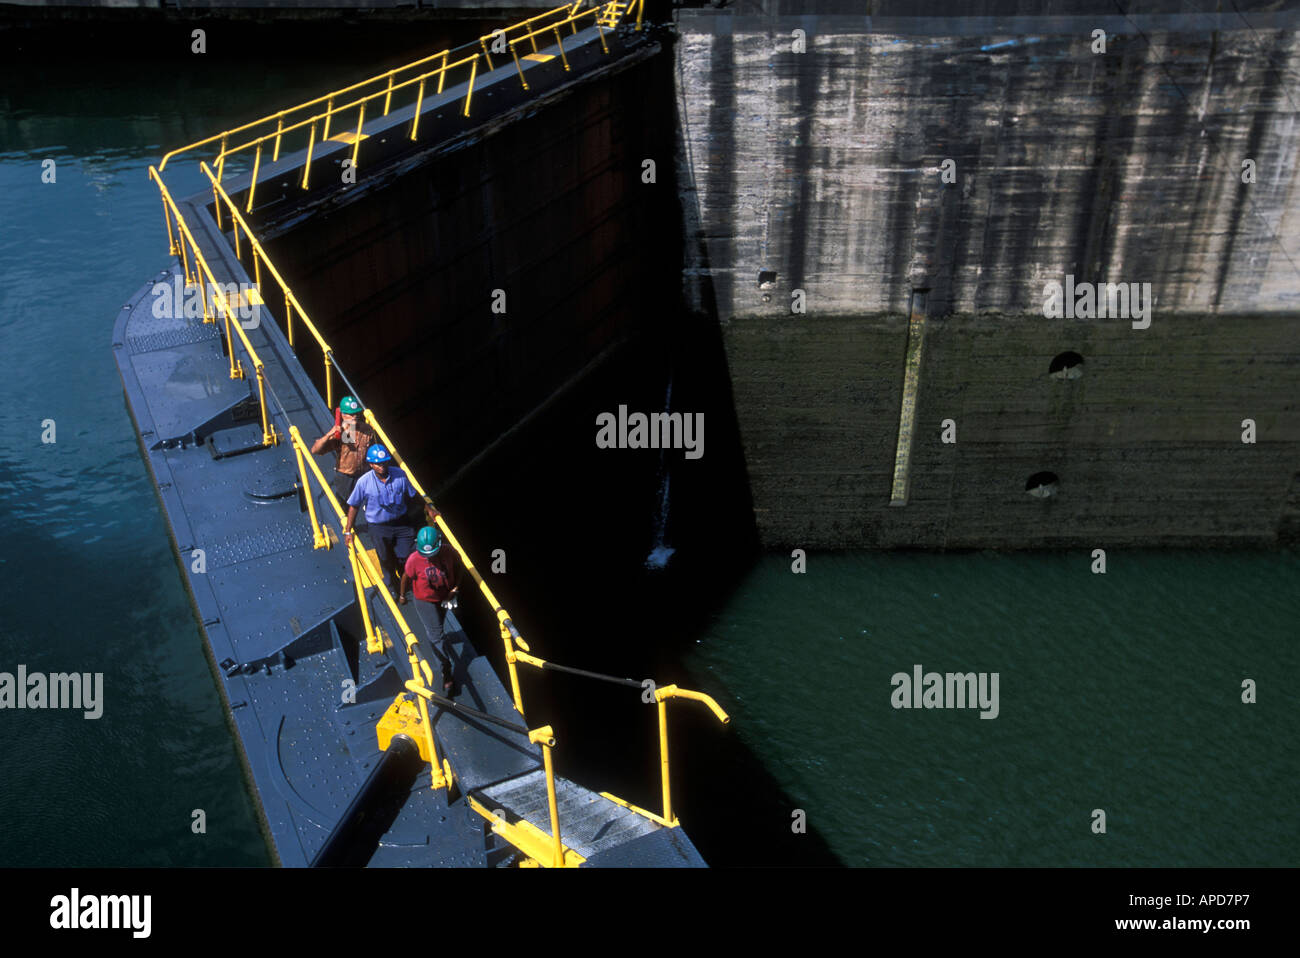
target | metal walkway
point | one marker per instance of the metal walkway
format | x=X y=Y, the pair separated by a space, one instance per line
x=313 y=662
x=286 y=641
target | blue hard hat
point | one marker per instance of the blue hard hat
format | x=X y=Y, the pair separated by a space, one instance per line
x=377 y=453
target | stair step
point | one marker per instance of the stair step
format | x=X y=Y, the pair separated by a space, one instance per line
x=589 y=822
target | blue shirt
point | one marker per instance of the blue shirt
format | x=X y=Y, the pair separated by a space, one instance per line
x=383 y=501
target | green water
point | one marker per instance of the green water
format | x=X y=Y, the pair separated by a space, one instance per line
x=1120 y=692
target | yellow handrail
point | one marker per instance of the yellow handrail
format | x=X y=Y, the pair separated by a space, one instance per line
x=510 y=636
x=662 y=695
x=291 y=301
x=269 y=436
x=279 y=115
x=305 y=115
x=365 y=573
x=361 y=561
x=331 y=110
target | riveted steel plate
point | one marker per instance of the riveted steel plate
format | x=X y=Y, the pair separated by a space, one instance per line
x=273 y=537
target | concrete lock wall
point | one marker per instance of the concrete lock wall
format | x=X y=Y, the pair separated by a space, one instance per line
x=825 y=171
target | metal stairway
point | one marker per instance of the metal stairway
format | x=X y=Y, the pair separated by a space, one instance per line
x=593 y=826
x=612 y=15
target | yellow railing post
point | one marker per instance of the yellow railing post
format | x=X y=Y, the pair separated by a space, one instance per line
x=279 y=129
x=190 y=280
x=514 y=672
x=559 y=40
x=329 y=113
x=518 y=66
x=356 y=144
x=442 y=74
x=319 y=540
x=329 y=383
x=221 y=158
x=373 y=644
x=388 y=97
x=268 y=430
x=311 y=144
x=640 y=8
x=288 y=316
x=663 y=759
x=172 y=248
x=662 y=695
x=204 y=290
x=545 y=737
x=419 y=102
x=436 y=779
x=469 y=92
x=252 y=186
x=236 y=365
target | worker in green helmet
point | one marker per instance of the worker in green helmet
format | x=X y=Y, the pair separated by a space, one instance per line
x=349 y=439
x=434 y=568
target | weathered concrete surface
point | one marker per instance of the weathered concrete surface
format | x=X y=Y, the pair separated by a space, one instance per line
x=824 y=168
x=1147 y=443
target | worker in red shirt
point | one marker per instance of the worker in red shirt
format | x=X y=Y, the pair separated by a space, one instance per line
x=434 y=570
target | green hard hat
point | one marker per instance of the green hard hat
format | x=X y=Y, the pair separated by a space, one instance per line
x=349 y=405
x=428 y=541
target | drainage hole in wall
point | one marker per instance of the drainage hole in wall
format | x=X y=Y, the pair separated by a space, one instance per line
x=1068 y=365
x=1042 y=484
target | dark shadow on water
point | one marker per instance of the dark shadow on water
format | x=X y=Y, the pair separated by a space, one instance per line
x=576 y=524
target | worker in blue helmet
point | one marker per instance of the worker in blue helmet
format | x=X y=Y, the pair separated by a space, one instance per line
x=434 y=568
x=385 y=494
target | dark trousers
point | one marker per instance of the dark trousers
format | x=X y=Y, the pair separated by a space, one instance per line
x=393 y=542
x=433 y=617
x=343 y=486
